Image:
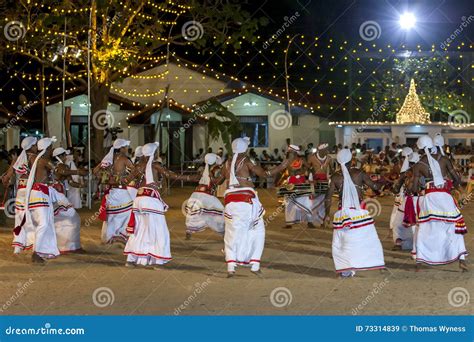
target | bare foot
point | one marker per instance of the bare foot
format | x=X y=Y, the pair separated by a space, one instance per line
x=36 y=259
x=188 y=236
x=258 y=273
x=130 y=264
x=311 y=225
x=230 y=274
x=288 y=226
x=463 y=265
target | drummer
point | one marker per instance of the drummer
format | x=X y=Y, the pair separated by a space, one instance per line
x=321 y=165
x=298 y=204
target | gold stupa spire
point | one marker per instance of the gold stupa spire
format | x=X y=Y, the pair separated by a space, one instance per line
x=412 y=111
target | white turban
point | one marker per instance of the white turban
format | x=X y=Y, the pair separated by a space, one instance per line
x=149 y=151
x=322 y=146
x=109 y=157
x=239 y=145
x=415 y=157
x=426 y=143
x=58 y=151
x=438 y=141
x=209 y=159
x=138 y=153
x=350 y=197
x=43 y=145
x=22 y=159
x=406 y=152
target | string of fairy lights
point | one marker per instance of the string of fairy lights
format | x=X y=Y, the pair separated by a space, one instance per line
x=316 y=63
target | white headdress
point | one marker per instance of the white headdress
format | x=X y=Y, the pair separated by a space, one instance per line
x=239 y=145
x=438 y=141
x=149 y=151
x=415 y=157
x=322 y=146
x=209 y=159
x=22 y=159
x=350 y=197
x=406 y=152
x=426 y=143
x=58 y=151
x=294 y=148
x=138 y=153
x=109 y=157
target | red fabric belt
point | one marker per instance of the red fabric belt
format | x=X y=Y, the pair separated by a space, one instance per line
x=243 y=196
x=59 y=187
x=320 y=176
x=148 y=193
x=430 y=190
x=296 y=180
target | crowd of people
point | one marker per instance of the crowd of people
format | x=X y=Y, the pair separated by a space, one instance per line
x=426 y=219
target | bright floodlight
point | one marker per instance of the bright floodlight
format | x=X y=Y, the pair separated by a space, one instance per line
x=407 y=20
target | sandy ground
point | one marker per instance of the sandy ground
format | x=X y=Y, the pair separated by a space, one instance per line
x=298 y=277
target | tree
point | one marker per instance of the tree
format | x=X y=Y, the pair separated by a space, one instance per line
x=126 y=36
x=433 y=77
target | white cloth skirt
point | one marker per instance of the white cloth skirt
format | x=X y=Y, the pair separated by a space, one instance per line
x=202 y=211
x=355 y=244
x=437 y=242
x=118 y=209
x=244 y=232
x=67 y=223
x=150 y=242
x=304 y=209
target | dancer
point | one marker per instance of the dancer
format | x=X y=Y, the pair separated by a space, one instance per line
x=244 y=236
x=321 y=165
x=149 y=242
x=21 y=168
x=203 y=208
x=38 y=211
x=117 y=203
x=67 y=221
x=73 y=185
x=439 y=238
x=403 y=214
x=355 y=245
x=298 y=207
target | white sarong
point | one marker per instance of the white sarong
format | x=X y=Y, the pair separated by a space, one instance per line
x=437 y=242
x=43 y=236
x=355 y=244
x=26 y=238
x=118 y=209
x=67 y=223
x=304 y=209
x=244 y=236
x=204 y=210
x=149 y=244
x=403 y=234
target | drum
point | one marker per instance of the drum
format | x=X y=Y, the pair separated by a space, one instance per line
x=295 y=189
x=321 y=187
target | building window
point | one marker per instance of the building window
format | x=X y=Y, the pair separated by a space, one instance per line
x=256 y=128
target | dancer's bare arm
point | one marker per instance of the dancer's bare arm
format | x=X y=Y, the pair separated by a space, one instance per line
x=259 y=171
x=171 y=175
